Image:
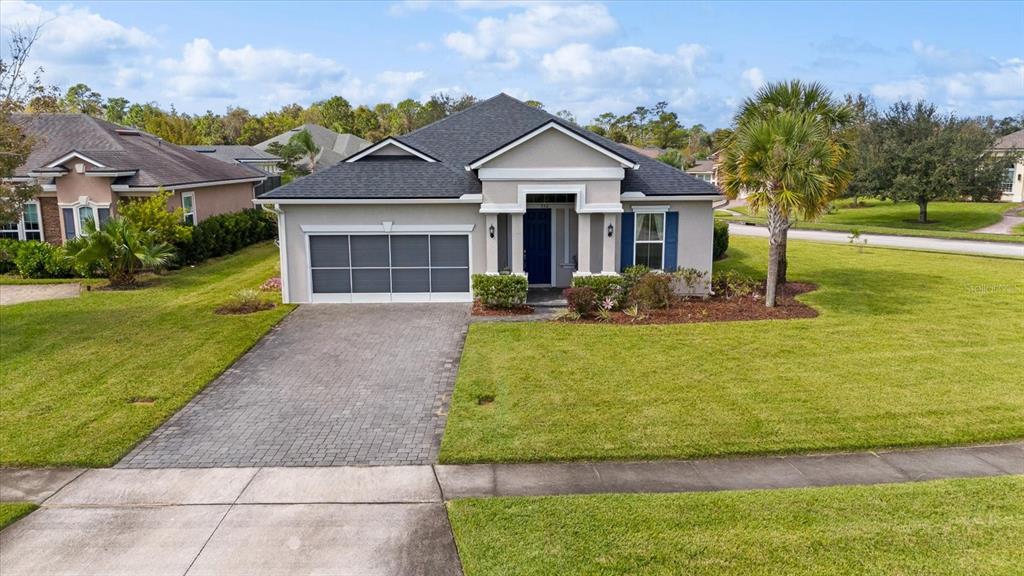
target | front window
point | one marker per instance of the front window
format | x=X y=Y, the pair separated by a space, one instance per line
x=1007 y=186
x=85 y=214
x=28 y=227
x=188 y=206
x=76 y=217
x=9 y=230
x=649 y=246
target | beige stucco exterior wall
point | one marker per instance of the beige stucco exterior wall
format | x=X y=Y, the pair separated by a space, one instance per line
x=373 y=214
x=552 y=149
x=1017 y=189
x=214 y=200
x=507 y=191
x=73 y=186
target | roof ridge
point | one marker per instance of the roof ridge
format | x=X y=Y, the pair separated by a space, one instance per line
x=454 y=114
x=106 y=132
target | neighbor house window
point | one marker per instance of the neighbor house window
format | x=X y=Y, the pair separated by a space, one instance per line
x=28 y=227
x=649 y=246
x=1008 y=180
x=188 y=205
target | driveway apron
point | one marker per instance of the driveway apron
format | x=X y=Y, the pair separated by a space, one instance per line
x=332 y=385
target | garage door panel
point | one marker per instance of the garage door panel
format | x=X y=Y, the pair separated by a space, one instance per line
x=410 y=280
x=410 y=251
x=328 y=251
x=449 y=280
x=374 y=280
x=449 y=251
x=370 y=252
x=331 y=281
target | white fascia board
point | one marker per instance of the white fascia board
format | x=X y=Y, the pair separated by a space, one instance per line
x=605 y=208
x=49 y=187
x=502 y=209
x=552 y=125
x=34 y=174
x=386 y=228
x=631 y=197
x=551 y=174
x=464 y=199
x=110 y=173
x=385 y=142
x=127 y=188
x=651 y=209
x=71 y=155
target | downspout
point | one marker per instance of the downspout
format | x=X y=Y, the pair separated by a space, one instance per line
x=282 y=245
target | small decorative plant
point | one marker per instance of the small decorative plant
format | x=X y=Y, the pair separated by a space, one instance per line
x=856 y=239
x=500 y=291
x=271 y=285
x=652 y=290
x=245 y=302
x=581 y=300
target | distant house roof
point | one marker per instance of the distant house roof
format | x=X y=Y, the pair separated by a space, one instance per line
x=648 y=152
x=702 y=167
x=456 y=141
x=149 y=160
x=236 y=154
x=1011 y=141
x=334 y=147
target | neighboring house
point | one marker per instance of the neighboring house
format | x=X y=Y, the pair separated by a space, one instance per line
x=1013 y=184
x=706 y=170
x=500 y=186
x=648 y=152
x=85 y=165
x=334 y=147
x=263 y=161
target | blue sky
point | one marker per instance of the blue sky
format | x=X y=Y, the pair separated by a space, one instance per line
x=589 y=57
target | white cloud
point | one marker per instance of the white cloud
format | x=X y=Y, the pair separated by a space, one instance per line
x=584 y=63
x=537 y=27
x=753 y=78
x=915 y=89
x=398 y=85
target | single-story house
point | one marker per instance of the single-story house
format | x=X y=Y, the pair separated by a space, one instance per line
x=334 y=147
x=500 y=187
x=706 y=170
x=1013 y=183
x=249 y=156
x=86 y=165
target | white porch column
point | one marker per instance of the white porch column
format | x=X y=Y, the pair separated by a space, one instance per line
x=608 y=248
x=516 y=238
x=492 y=243
x=583 y=244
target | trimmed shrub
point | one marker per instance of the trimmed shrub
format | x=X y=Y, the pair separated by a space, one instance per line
x=35 y=259
x=8 y=250
x=582 y=300
x=501 y=290
x=605 y=287
x=226 y=233
x=652 y=290
x=732 y=284
x=721 y=240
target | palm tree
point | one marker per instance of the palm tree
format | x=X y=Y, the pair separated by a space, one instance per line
x=119 y=250
x=304 y=141
x=790 y=153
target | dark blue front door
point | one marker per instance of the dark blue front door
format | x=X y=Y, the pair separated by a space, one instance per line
x=537 y=245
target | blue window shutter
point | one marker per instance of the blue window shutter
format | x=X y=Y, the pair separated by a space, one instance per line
x=626 y=239
x=671 y=241
x=69 y=223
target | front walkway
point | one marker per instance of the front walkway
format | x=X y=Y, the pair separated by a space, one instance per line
x=973 y=247
x=377 y=520
x=18 y=293
x=332 y=385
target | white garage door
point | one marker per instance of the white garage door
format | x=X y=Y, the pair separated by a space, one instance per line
x=389 y=267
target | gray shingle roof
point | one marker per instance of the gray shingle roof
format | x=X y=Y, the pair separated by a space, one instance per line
x=334 y=147
x=158 y=163
x=1011 y=141
x=466 y=136
x=235 y=154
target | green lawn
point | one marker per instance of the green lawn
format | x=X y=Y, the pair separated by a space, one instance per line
x=10 y=512
x=946 y=219
x=910 y=348
x=70 y=369
x=947 y=527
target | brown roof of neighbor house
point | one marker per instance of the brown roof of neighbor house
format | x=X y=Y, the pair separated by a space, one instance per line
x=154 y=161
x=1011 y=141
x=702 y=166
x=648 y=152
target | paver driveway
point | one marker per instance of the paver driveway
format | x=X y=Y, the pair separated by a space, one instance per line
x=332 y=385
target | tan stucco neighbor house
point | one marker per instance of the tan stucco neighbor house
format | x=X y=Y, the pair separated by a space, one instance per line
x=1013 y=183
x=500 y=187
x=86 y=165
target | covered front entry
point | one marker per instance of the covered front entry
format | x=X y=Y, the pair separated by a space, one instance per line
x=537 y=232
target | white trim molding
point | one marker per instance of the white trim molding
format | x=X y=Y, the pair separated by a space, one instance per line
x=71 y=155
x=641 y=197
x=385 y=142
x=552 y=125
x=110 y=173
x=551 y=173
x=133 y=189
x=651 y=209
x=464 y=199
x=387 y=228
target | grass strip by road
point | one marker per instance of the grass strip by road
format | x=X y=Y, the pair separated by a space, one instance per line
x=909 y=349
x=11 y=512
x=84 y=379
x=970 y=526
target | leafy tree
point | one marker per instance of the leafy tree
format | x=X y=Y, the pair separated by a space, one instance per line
x=789 y=154
x=234 y=122
x=209 y=128
x=115 y=110
x=535 y=104
x=15 y=147
x=82 y=99
x=290 y=155
x=334 y=113
x=151 y=215
x=364 y=122
x=120 y=250
x=304 y=141
x=253 y=132
x=673 y=157
x=567 y=115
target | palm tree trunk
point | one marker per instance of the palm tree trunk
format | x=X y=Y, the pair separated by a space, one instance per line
x=776 y=242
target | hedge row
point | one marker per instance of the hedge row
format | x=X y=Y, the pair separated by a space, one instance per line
x=226 y=233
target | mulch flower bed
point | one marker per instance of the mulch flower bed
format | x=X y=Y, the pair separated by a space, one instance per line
x=245 y=308
x=720 y=309
x=480 y=310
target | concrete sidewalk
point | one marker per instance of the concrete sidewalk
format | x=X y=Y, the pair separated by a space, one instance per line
x=387 y=520
x=971 y=247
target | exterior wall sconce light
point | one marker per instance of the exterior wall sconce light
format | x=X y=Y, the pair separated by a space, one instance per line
x=611 y=230
x=491 y=230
